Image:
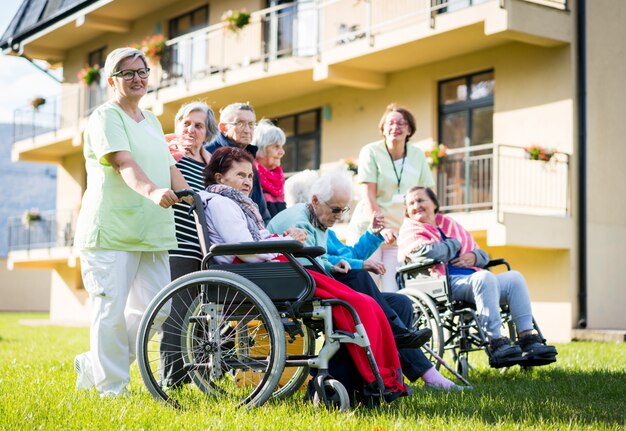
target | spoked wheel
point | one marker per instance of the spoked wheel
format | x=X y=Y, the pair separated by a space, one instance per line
x=336 y=394
x=226 y=341
x=294 y=377
x=426 y=315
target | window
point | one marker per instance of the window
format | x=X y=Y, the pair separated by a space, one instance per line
x=190 y=57
x=466 y=121
x=443 y=6
x=188 y=22
x=303 y=132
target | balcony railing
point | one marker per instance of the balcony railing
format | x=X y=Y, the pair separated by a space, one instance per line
x=502 y=178
x=52 y=229
x=296 y=29
x=64 y=111
x=277 y=32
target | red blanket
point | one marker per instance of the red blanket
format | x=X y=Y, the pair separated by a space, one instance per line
x=376 y=326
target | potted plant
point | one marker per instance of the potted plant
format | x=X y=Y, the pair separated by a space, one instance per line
x=235 y=20
x=537 y=152
x=153 y=47
x=351 y=165
x=30 y=216
x=89 y=74
x=37 y=102
x=436 y=155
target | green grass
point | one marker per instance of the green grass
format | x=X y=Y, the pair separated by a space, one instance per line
x=585 y=389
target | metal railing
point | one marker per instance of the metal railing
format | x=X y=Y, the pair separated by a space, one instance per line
x=59 y=112
x=273 y=33
x=51 y=229
x=504 y=179
x=296 y=29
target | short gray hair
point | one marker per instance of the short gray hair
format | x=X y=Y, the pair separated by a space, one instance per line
x=266 y=134
x=116 y=56
x=188 y=108
x=228 y=111
x=298 y=187
x=330 y=183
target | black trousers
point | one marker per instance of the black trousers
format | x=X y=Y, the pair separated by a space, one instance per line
x=399 y=311
x=172 y=373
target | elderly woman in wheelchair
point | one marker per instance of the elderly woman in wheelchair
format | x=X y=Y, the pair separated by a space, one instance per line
x=231 y=217
x=426 y=233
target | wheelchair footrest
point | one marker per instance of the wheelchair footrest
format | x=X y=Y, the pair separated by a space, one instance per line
x=537 y=361
x=507 y=362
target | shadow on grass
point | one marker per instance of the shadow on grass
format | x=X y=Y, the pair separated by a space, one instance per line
x=557 y=397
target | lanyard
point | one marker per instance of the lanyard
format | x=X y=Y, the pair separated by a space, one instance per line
x=393 y=164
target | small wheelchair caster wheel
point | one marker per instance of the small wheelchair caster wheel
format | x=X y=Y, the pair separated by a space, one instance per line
x=336 y=395
x=463 y=367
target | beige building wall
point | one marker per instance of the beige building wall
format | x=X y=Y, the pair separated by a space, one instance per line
x=24 y=289
x=606 y=153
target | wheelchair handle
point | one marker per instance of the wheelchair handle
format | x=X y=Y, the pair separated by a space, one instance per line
x=183 y=192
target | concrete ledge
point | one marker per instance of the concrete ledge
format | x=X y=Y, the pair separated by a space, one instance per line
x=607 y=335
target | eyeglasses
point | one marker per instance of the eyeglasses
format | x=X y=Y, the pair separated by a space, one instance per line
x=241 y=125
x=400 y=124
x=337 y=210
x=129 y=74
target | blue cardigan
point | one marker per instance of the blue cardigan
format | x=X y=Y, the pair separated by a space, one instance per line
x=367 y=244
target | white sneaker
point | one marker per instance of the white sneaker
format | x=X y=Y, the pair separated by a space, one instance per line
x=82 y=365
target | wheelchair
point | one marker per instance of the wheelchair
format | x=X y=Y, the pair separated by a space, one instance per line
x=455 y=325
x=242 y=325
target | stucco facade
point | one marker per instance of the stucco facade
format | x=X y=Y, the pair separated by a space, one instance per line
x=531 y=50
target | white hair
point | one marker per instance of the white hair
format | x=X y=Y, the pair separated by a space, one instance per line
x=188 y=108
x=116 y=56
x=298 y=187
x=325 y=187
x=266 y=134
x=228 y=112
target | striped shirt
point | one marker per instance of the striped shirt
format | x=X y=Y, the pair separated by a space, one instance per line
x=186 y=233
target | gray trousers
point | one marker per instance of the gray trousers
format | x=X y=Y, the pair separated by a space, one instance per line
x=488 y=291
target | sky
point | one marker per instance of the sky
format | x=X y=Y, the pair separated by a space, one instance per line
x=20 y=81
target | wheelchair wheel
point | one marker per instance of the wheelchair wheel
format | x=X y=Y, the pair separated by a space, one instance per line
x=294 y=377
x=426 y=315
x=336 y=394
x=229 y=341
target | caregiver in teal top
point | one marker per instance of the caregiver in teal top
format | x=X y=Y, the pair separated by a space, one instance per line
x=126 y=225
x=387 y=169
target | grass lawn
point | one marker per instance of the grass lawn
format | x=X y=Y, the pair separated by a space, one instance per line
x=585 y=389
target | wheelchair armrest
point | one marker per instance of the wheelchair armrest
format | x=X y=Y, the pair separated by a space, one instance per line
x=496 y=262
x=310 y=252
x=420 y=265
x=279 y=246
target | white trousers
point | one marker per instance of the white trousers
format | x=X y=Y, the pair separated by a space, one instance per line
x=388 y=255
x=121 y=284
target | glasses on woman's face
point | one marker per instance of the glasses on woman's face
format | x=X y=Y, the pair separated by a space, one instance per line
x=241 y=125
x=399 y=124
x=129 y=74
x=337 y=210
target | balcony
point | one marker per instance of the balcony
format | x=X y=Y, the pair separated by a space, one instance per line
x=42 y=242
x=52 y=131
x=499 y=189
x=296 y=49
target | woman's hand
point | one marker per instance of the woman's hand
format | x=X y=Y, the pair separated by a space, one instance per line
x=374 y=266
x=165 y=198
x=389 y=235
x=467 y=260
x=378 y=222
x=342 y=267
x=296 y=233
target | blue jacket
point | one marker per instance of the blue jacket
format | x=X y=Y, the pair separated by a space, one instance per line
x=367 y=244
x=257 y=193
